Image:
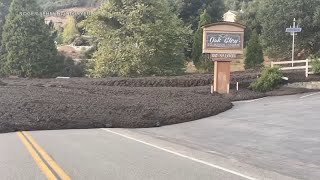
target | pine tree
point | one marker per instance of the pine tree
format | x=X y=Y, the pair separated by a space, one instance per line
x=70 y=31
x=198 y=58
x=28 y=48
x=254 y=56
x=4 y=10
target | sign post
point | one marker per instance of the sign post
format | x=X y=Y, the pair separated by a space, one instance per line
x=224 y=42
x=293 y=30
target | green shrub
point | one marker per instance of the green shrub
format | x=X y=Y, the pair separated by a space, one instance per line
x=69 y=68
x=70 y=32
x=81 y=41
x=270 y=79
x=316 y=66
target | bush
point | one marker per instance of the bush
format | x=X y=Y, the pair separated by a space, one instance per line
x=81 y=41
x=316 y=66
x=89 y=53
x=270 y=79
x=69 y=68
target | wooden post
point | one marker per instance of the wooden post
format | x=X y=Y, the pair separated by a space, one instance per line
x=222 y=76
x=307 y=68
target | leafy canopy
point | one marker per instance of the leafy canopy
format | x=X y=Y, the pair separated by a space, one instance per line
x=136 y=38
x=4 y=10
x=52 y=5
x=270 y=18
x=236 y=5
x=190 y=10
x=70 y=31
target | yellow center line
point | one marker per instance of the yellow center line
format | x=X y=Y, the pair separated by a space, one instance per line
x=37 y=158
x=47 y=158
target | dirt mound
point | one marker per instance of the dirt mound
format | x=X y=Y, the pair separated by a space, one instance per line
x=45 y=104
x=156 y=82
x=71 y=106
x=246 y=94
x=244 y=80
x=300 y=77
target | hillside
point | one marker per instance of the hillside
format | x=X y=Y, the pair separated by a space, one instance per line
x=52 y=5
x=62 y=18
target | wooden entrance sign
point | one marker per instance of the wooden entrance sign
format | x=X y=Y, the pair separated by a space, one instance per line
x=224 y=41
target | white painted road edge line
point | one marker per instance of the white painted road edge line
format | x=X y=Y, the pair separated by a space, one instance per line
x=184 y=156
x=309 y=95
x=249 y=101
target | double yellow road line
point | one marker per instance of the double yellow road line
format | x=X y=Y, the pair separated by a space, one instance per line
x=47 y=165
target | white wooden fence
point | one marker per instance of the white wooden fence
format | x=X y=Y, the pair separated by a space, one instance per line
x=306 y=67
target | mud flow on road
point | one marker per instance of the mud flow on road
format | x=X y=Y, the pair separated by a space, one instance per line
x=80 y=103
x=58 y=104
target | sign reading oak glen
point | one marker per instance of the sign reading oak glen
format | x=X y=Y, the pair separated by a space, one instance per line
x=219 y=40
x=223 y=40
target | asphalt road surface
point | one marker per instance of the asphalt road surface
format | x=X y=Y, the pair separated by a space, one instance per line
x=270 y=138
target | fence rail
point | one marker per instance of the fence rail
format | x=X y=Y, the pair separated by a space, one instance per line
x=306 y=67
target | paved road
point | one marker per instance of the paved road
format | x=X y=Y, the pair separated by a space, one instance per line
x=99 y=154
x=271 y=138
x=280 y=134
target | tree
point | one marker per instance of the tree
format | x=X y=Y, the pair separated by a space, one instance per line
x=53 y=5
x=235 y=5
x=189 y=10
x=275 y=16
x=249 y=17
x=53 y=30
x=28 y=48
x=70 y=31
x=198 y=59
x=4 y=10
x=139 y=37
x=254 y=55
